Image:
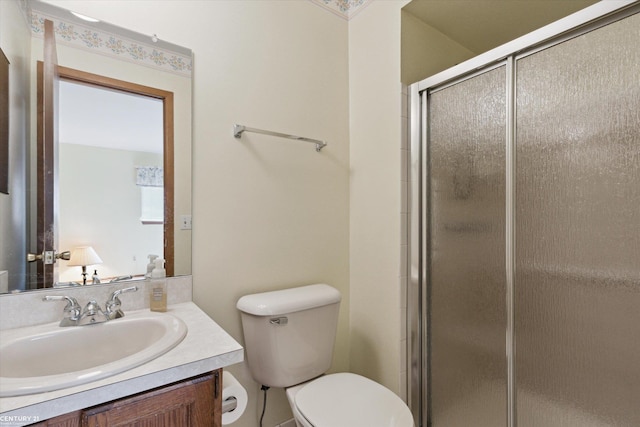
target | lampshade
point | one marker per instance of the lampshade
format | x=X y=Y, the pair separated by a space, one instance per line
x=83 y=256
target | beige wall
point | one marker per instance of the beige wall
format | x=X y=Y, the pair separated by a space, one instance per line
x=426 y=51
x=267 y=213
x=378 y=193
x=14 y=36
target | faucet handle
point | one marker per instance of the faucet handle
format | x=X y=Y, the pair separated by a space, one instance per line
x=92 y=313
x=113 y=303
x=92 y=308
x=71 y=311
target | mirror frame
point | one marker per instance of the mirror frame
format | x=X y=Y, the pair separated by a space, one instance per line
x=4 y=123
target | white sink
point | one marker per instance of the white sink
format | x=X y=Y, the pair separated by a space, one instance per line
x=49 y=357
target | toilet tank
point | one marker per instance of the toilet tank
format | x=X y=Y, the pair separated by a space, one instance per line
x=289 y=334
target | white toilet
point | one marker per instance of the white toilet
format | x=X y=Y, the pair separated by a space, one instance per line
x=289 y=337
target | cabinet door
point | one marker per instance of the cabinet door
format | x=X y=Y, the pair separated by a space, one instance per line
x=192 y=403
x=71 y=419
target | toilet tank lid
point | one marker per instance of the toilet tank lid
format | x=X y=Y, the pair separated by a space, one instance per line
x=277 y=303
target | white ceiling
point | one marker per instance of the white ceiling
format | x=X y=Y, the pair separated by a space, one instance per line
x=94 y=116
x=481 y=25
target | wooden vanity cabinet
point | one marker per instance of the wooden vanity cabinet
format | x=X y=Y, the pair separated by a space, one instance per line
x=67 y=420
x=196 y=402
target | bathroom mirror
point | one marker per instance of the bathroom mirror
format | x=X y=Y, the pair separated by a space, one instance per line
x=110 y=186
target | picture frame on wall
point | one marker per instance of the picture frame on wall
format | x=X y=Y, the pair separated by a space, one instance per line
x=4 y=123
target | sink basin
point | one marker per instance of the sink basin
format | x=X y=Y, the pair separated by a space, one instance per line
x=48 y=357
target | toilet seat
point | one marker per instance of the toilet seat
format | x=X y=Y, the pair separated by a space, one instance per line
x=348 y=400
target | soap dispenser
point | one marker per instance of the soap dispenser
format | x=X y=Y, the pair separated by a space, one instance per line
x=95 y=279
x=158 y=287
x=151 y=265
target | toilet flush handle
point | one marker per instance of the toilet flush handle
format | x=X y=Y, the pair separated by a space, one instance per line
x=279 y=321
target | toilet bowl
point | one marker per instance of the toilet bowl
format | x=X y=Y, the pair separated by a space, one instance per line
x=289 y=336
x=347 y=400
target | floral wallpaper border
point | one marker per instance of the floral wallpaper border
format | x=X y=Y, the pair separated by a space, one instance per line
x=346 y=9
x=105 y=43
x=113 y=45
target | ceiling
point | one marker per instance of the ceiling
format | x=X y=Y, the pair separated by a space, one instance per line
x=481 y=25
x=99 y=117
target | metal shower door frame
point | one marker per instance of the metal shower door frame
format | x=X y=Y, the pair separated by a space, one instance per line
x=586 y=20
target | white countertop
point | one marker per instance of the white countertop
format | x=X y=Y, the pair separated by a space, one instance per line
x=205 y=348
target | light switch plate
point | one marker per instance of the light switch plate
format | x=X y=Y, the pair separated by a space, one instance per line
x=185 y=222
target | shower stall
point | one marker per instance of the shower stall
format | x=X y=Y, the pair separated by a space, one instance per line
x=524 y=296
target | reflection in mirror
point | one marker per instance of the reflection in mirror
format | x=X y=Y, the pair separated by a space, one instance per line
x=116 y=53
x=111 y=165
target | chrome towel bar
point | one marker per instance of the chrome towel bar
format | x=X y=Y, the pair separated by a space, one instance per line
x=238 y=129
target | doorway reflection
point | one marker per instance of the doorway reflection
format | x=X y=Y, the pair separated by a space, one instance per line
x=109 y=141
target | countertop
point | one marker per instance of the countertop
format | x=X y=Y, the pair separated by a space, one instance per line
x=205 y=348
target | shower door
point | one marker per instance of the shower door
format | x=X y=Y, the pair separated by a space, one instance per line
x=577 y=285
x=466 y=155
x=526 y=250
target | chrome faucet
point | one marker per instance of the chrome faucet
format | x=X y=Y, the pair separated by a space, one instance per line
x=113 y=304
x=92 y=314
x=71 y=310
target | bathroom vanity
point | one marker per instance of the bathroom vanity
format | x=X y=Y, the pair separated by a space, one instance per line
x=183 y=383
x=193 y=402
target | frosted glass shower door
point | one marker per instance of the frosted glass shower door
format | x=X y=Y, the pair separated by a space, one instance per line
x=577 y=287
x=466 y=238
